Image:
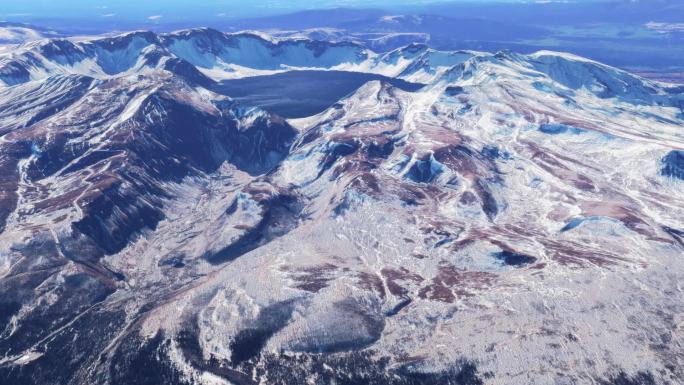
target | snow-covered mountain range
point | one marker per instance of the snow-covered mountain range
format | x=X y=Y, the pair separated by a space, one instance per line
x=214 y=54
x=518 y=219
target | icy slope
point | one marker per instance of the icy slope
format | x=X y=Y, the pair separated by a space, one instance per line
x=214 y=51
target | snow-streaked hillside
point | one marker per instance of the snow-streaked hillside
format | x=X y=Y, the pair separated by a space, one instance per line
x=516 y=220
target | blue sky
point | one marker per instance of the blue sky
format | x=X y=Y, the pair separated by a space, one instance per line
x=177 y=7
x=158 y=9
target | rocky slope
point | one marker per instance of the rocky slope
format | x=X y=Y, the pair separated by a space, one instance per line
x=516 y=220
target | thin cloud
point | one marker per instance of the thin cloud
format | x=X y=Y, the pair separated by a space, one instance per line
x=155 y=17
x=665 y=27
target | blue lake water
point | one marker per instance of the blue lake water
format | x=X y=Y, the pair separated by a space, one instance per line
x=297 y=94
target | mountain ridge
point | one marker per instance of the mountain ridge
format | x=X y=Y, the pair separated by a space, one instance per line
x=209 y=51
